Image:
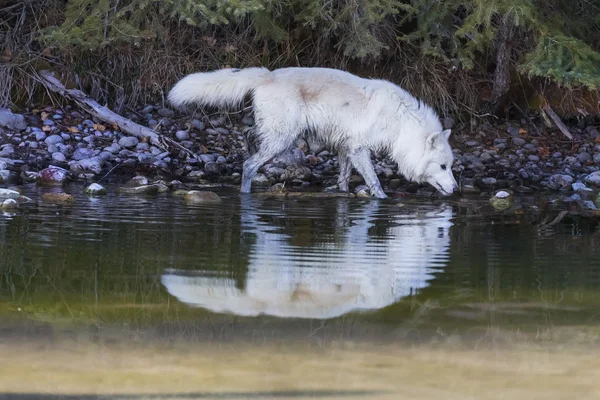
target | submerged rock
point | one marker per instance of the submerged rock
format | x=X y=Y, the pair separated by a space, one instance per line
x=58 y=198
x=146 y=189
x=502 y=200
x=9 y=204
x=136 y=181
x=95 y=189
x=201 y=197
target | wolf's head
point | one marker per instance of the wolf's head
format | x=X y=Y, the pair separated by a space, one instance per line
x=437 y=162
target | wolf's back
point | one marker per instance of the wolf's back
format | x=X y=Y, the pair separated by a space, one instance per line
x=221 y=88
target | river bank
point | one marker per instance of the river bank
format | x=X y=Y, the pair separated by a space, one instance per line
x=519 y=156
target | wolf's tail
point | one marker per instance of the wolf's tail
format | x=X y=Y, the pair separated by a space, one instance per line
x=221 y=88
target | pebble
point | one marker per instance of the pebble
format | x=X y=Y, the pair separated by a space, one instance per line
x=593 y=179
x=584 y=158
x=59 y=157
x=198 y=124
x=182 y=135
x=166 y=112
x=517 y=141
x=128 y=141
x=53 y=139
x=559 y=181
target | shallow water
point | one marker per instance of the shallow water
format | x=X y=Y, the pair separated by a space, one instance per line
x=128 y=297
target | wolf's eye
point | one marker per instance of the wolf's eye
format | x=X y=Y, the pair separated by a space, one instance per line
x=443 y=166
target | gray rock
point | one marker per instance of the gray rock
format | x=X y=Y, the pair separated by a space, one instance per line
x=7 y=150
x=128 y=141
x=40 y=136
x=12 y=122
x=517 y=141
x=88 y=165
x=533 y=158
x=583 y=157
x=486 y=157
x=596 y=159
x=559 y=181
x=82 y=153
x=513 y=131
x=147 y=109
x=113 y=148
x=142 y=146
x=52 y=176
x=198 y=124
x=59 y=157
x=222 y=160
x=53 y=139
x=593 y=179
x=296 y=172
x=166 y=112
x=182 y=135
x=261 y=180
x=146 y=158
x=580 y=187
x=214 y=168
x=206 y=158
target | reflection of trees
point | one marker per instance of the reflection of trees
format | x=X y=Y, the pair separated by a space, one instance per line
x=506 y=257
x=113 y=248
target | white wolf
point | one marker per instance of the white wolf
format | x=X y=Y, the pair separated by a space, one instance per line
x=351 y=115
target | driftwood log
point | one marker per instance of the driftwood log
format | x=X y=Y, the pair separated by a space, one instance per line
x=106 y=115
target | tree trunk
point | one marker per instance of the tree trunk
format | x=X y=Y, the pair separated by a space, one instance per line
x=502 y=72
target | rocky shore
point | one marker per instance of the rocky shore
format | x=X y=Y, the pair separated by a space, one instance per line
x=52 y=145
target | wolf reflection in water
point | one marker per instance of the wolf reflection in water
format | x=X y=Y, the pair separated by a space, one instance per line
x=360 y=271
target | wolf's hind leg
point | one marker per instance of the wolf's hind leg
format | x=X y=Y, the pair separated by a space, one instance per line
x=361 y=159
x=266 y=151
x=345 y=171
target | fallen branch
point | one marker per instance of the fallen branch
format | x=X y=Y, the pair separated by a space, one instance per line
x=563 y=128
x=106 y=115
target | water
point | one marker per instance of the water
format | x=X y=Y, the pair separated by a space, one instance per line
x=126 y=297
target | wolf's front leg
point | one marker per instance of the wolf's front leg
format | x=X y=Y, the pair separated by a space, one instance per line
x=361 y=159
x=345 y=171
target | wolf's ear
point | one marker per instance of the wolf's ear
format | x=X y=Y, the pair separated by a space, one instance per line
x=447 y=133
x=432 y=139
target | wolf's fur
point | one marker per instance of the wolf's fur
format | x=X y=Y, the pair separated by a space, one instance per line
x=348 y=114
